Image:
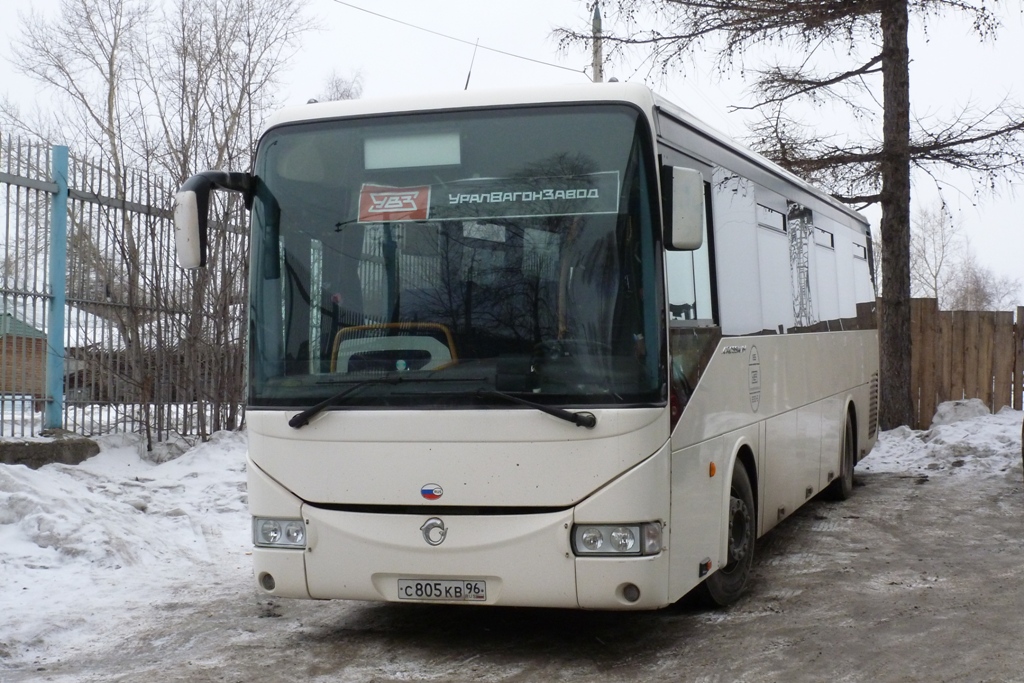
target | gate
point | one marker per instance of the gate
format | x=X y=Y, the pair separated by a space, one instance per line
x=100 y=331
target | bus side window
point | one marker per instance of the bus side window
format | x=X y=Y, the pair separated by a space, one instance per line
x=693 y=329
x=690 y=282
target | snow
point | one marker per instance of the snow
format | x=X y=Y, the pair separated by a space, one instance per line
x=100 y=547
x=964 y=438
x=90 y=548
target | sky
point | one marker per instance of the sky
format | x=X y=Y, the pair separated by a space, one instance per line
x=93 y=554
x=949 y=68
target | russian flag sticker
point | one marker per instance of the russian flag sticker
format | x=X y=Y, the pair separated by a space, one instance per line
x=431 y=491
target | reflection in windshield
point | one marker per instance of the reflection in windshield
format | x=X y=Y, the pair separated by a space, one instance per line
x=531 y=260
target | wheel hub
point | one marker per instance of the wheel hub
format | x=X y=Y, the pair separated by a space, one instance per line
x=740 y=528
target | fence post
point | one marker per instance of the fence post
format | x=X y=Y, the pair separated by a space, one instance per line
x=53 y=415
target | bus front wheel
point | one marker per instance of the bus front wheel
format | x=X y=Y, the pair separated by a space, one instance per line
x=726 y=585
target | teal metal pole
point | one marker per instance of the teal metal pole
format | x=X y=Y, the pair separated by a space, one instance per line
x=54 y=412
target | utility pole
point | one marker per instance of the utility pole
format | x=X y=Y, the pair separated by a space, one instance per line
x=598 y=63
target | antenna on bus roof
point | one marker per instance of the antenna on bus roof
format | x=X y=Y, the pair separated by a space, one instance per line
x=473 y=59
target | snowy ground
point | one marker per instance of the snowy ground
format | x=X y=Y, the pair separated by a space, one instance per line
x=92 y=554
x=87 y=550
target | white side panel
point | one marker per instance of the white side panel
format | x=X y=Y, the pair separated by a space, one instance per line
x=781 y=466
x=795 y=370
x=845 y=275
x=823 y=268
x=833 y=420
x=792 y=470
x=826 y=270
x=862 y=276
x=700 y=499
x=697 y=518
x=776 y=288
x=735 y=225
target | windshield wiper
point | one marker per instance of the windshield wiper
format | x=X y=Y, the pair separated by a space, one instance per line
x=302 y=419
x=582 y=419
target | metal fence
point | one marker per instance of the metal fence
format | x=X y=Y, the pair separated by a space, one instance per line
x=100 y=331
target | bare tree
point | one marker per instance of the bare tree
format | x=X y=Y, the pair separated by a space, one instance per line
x=171 y=92
x=936 y=249
x=339 y=88
x=943 y=266
x=874 y=37
x=978 y=288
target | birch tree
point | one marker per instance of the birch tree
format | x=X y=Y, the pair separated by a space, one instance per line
x=944 y=267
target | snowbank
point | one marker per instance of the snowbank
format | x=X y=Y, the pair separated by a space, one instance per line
x=84 y=548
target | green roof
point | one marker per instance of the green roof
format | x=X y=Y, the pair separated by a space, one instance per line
x=12 y=327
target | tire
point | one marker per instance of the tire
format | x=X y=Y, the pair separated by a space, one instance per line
x=841 y=487
x=726 y=585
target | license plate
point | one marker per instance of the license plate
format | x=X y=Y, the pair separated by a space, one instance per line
x=443 y=590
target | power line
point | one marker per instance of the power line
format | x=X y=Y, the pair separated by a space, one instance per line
x=460 y=40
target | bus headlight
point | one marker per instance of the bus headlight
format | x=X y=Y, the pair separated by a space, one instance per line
x=278 y=533
x=617 y=539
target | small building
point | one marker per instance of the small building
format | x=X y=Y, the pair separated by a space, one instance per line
x=22 y=358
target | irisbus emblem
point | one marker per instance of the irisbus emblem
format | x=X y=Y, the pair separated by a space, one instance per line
x=431 y=491
x=434 y=531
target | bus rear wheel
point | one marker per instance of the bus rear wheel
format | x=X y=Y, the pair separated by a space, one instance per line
x=841 y=487
x=725 y=586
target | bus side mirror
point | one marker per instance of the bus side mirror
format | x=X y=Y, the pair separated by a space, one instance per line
x=683 y=207
x=191 y=212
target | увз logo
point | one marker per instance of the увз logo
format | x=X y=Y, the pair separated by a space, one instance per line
x=384 y=202
x=378 y=203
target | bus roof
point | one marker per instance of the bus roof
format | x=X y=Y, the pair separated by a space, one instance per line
x=637 y=94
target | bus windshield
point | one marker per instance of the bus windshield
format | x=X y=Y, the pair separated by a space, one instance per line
x=466 y=253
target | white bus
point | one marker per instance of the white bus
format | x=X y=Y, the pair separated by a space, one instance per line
x=553 y=347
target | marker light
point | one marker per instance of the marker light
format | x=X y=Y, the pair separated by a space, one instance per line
x=278 y=533
x=617 y=539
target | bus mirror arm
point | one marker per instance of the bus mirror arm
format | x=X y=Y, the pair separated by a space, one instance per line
x=191 y=211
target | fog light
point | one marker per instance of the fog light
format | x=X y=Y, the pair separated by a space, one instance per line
x=267 y=581
x=630 y=592
x=278 y=533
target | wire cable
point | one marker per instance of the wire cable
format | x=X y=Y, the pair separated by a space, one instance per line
x=460 y=40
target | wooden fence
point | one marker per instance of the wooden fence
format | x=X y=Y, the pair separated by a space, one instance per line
x=965 y=354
